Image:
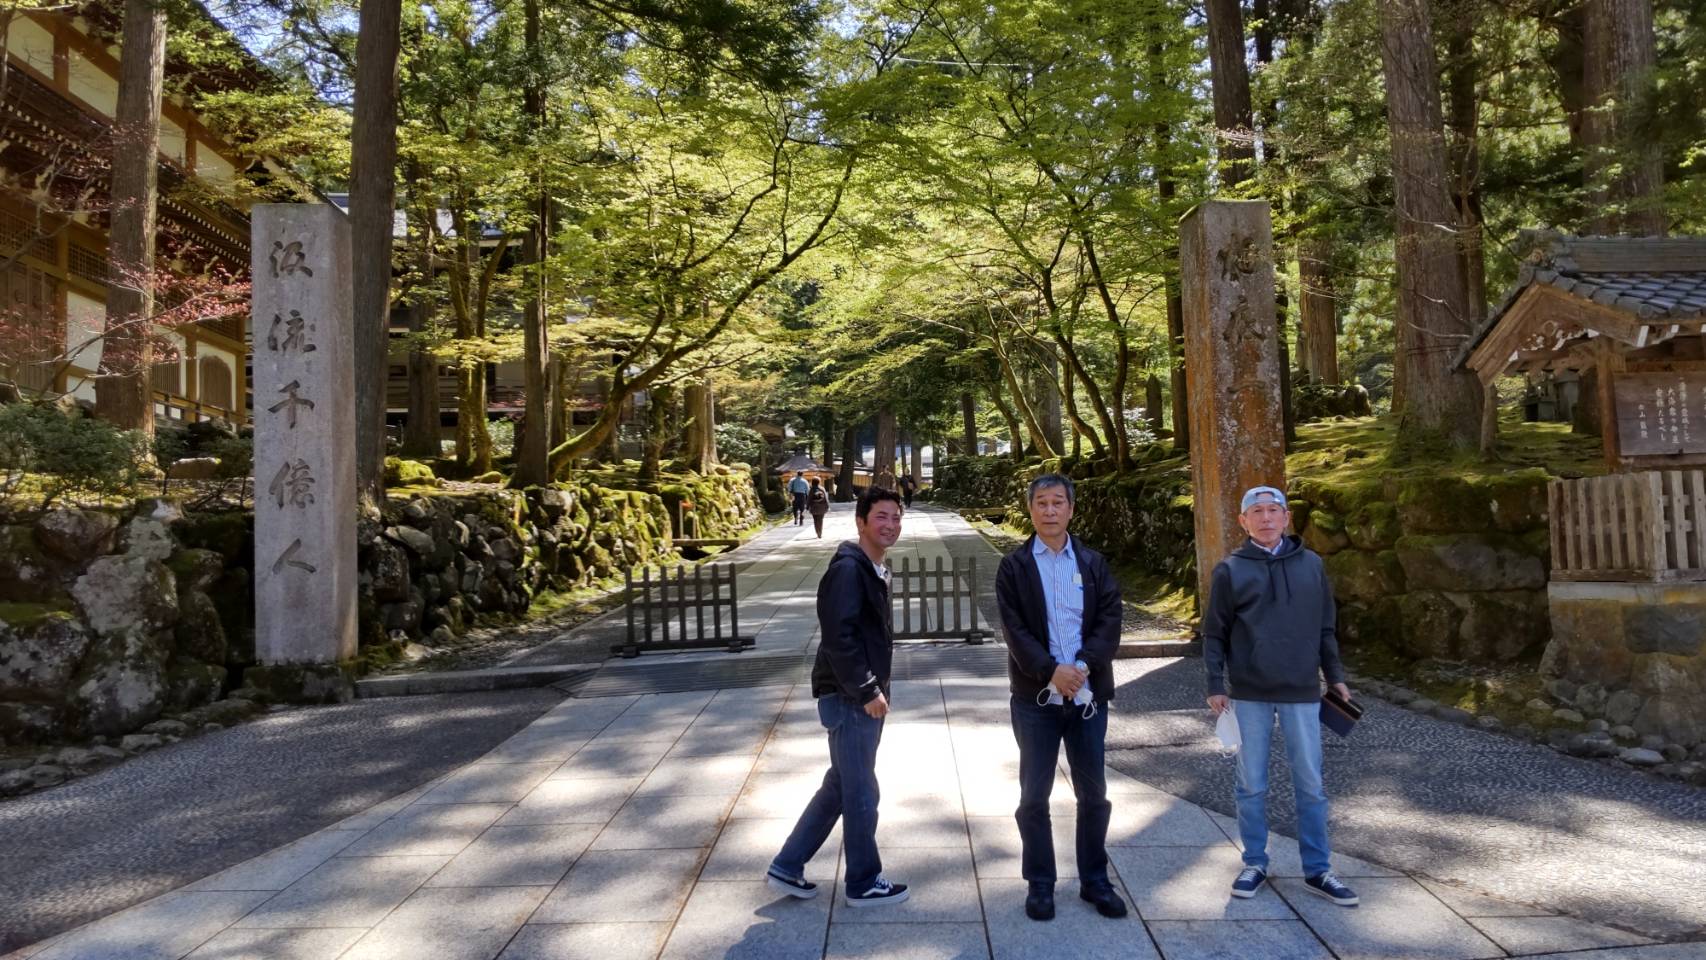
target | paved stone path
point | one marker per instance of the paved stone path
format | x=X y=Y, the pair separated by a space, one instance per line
x=639 y=826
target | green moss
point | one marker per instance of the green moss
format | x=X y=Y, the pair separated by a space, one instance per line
x=408 y=473
x=27 y=616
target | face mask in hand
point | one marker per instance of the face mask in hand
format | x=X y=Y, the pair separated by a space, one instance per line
x=1082 y=698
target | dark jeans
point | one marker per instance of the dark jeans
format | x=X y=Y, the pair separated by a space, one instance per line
x=1040 y=732
x=817 y=521
x=799 y=509
x=849 y=793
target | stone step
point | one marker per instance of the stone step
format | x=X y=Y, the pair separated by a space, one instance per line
x=1159 y=648
x=471 y=681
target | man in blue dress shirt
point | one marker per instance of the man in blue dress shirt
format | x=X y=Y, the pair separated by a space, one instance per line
x=1060 y=610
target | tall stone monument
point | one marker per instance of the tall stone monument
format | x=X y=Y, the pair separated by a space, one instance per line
x=1233 y=353
x=304 y=384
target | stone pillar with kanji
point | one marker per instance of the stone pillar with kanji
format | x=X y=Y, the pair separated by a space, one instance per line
x=1233 y=353
x=304 y=389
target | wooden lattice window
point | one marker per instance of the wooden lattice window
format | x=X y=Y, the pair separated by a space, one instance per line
x=167 y=378
x=33 y=338
x=88 y=264
x=21 y=235
x=213 y=381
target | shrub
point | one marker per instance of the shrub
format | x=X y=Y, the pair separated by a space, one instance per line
x=739 y=444
x=65 y=453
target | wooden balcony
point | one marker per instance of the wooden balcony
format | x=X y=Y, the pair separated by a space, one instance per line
x=1632 y=527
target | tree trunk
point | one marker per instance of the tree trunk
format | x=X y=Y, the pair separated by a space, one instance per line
x=560 y=391
x=1462 y=71
x=1434 y=400
x=1080 y=426
x=373 y=175
x=1319 y=323
x=421 y=429
x=124 y=393
x=613 y=443
x=1288 y=417
x=1233 y=120
x=473 y=440
x=1622 y=163
x=533 y=447
x=1049 y=409
x=968 y=423
x=849 y=456
x=657 y=432
x=1152 y=403
x=1490 y=420
x=882 y=461
x=700 y=444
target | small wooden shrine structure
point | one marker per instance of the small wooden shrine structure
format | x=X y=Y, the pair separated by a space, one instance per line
x=1629 y=315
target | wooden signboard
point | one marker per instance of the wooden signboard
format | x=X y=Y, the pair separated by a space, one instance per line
x=1660 y=413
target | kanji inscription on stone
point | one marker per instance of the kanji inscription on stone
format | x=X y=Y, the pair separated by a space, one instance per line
x=304 y=386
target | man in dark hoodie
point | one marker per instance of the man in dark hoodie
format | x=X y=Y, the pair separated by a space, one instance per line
x=850 y=680
x=1060 y=610
x=1268 y=637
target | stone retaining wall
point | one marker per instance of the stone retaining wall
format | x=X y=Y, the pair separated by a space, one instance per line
x=1632 y=654
x=112 y=619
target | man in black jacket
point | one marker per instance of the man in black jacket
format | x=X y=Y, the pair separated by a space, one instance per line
x=1268 y=637
x=1060 y=609
x=850 y=680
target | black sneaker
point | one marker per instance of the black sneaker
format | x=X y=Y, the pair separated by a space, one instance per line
x=880 y=892
x=1329 y=886
x=1250 y=879
x=791 y=886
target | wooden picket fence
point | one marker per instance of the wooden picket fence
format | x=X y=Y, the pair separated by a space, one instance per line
x=1648 y=526
x=652 y=610
x=935 y=602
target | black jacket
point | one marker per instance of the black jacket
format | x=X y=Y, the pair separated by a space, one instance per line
x=1024 y=620
x=856 y=651
x=1269 y=632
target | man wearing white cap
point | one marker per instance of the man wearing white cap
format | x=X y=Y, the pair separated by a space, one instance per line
x=1268 y=638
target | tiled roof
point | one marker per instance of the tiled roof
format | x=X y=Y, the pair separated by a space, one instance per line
x=1653 y=279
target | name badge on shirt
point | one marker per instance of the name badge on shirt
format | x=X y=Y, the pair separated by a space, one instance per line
x=1078 y=580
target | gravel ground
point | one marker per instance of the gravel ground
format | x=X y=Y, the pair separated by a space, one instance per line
x=1500 y=815
x=98 y=844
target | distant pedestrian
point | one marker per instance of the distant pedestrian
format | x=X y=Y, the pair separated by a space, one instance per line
x=799 y=489
x=1060 y=609
x=907 y=487
x=850 y=680
x=1268 y=637
x=817 y=501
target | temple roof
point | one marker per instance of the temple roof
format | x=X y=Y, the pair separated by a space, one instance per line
x=1637 y=291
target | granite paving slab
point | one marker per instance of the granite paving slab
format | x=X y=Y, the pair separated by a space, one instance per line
x=746 y=919
x=1191 y=883
x=467 y=923
x=236 y=944
x=665 y=823
x=1398 y=919
x=630 y=884
x=588 y=941
x=1077 y=930
x=571 y=801
x=1220 y=939
x=1529 y=935
x=745 y=849
x=165 y=928
x=517 y=856
x=346 y=892
x=914 y=941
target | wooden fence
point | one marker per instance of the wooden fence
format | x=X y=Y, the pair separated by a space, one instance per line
x=652 y=610
x=1647 y=526
x=936 y=603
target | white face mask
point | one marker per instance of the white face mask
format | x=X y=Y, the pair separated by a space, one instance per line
x=1083 y=698
x=1226 y=730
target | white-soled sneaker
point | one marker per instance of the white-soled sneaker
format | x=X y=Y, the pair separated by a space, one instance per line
x=880 y=892
x=1331 y=887
x=790 y=886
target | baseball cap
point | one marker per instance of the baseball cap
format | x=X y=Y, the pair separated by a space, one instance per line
x=1254 y=496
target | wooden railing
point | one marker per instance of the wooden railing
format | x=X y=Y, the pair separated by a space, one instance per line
x=1647 y=526
x=651 y=610
x=943 y=600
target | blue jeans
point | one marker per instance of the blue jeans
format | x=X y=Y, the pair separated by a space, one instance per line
x=1040 y=732
x=1300 y=726
x=849 y=793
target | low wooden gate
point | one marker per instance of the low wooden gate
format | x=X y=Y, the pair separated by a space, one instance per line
x=935 y=602
x=653 y=605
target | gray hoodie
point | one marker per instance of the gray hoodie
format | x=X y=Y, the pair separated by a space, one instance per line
x=1268 y=633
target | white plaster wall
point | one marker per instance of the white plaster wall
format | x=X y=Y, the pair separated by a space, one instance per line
x=95 y=86
x=212 y=167
x=84 y=317
x=31 y=43
x=172 y=140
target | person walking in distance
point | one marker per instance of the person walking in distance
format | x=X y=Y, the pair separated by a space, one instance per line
x=1268 y=638
x=1060 y=610
x=798 y=489
x=817 y=501
x=850 y=679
